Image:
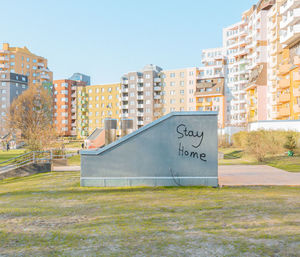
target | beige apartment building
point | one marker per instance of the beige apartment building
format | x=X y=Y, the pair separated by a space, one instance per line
x=21 y=61
x=178 y=88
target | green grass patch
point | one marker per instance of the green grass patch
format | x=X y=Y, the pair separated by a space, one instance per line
x=6 y=155
x=51 y=215
x=74 y=160
x=235 y=156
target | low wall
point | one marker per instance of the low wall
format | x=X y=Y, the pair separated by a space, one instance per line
x=27 y=170
x=275 y=125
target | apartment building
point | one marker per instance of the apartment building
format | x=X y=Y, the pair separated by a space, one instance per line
x=22 y=61
x=11 y=86
x=289 y=72
x=178 y=88
x=141 y=98
x=210 y=84
x=236 y=73
x=65 y=106
x=95 y=104
x=81 y=77
x=273 y=60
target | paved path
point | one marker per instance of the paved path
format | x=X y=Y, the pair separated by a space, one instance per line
x=66 y=168
x=242 y=175
x=248 y=175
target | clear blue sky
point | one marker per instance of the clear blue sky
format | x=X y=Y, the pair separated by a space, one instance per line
x=107 y=38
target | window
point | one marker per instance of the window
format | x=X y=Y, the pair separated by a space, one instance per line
x=102 y=97
x=147 y=76
x=148 y=101
x=109 y=89
x=132 y=86
x=34 y=60
x=109 y=97
x=191 y=91
x=64 y=121
x=172 y=101
x=172 y=84
x=102 y=90
x=12 y=64
x=181 y=74
x=172 y=75
x=28 y=59
x=172 y=92
x=181 y=100
x=97 y=90
x=12 y=56
x=182 y=83
x=147 y=93
x=90 y=98
x=181 y=109
x=182 y=92
x=132 y=78
x=147 y=84
x=90 y=91
x=132 y=94
x=97 y=98
x=132 y=111
x=148 y=110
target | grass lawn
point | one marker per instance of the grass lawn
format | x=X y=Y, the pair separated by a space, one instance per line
x=4 y=155
x=235 y=156
x=74 y=160
x=50 y=215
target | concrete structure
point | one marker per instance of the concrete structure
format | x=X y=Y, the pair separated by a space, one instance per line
x=178 y=88
x=81 y=77
x=180 y=148
x=22 y=61
x=141 y=96
x=11 y=86
x=65 y=105
x=95 y=104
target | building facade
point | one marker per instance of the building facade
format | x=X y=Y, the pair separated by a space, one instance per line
x=95 y=104
x=22 y=61
x=141 y=98
x=81 y=77
x=11 y=86
x=178 y=88
x=65 y=106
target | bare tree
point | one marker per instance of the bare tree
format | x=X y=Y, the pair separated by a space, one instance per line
x=31 y=115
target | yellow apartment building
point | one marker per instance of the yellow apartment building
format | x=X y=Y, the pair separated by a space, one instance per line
x=20 y=60
x=95 y=103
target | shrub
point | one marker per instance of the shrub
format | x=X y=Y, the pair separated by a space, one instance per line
x=290 y=143
x=240 y=139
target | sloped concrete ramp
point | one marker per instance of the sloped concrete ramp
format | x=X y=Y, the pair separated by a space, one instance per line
x=177 y=149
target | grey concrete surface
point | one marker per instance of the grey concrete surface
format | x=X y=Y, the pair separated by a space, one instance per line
x=179 y=149
x=66 y=168
x=256 y=175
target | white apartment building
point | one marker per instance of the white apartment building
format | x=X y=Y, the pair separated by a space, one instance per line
x=236 y=75
x=290 y=24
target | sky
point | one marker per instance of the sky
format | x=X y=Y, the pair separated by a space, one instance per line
x=106 y=39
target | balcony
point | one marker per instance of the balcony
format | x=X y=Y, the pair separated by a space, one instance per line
x=124 y=81
x=83 y=101
x=296 y=92
x=73 y=110
x=157 y=80
x=73 y=117
x=288 y=5
x=140 y=106
x=84 y=109
x=296 y=108
x=125 y=106
x=140 y=80
x=283 y=98
x=140 y=97
x=84 y=94
x=4 y=58
x=140 y=89
x=124 y=90
x=157 y=105
x=290 y=35
x=73 y=95
x=140 y=122
x=84 y=117
x=45 y=76
x=156 y=114
x=124 y=115
x=140 y=114
x=84 y=133
x=156 y=97
x=284 y=69
x=297 y=60
x=291 y=18
x=284 y=83
x=296 y=75
x=124 y=98
x=4 y=66
x=285 y=111
x=157 y=88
